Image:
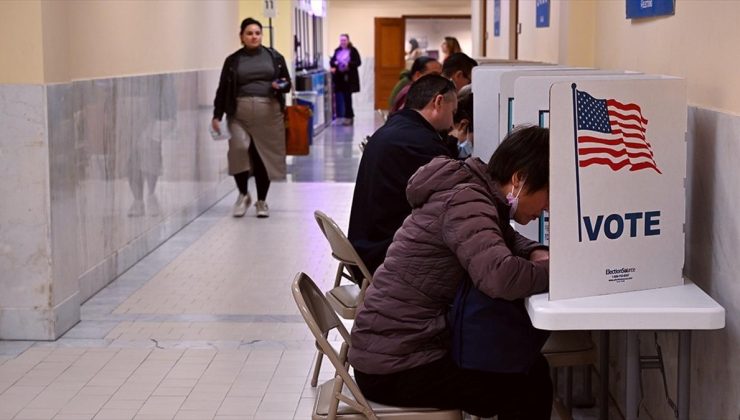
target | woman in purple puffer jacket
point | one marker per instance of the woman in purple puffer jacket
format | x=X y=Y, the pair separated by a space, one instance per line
x=459 y=227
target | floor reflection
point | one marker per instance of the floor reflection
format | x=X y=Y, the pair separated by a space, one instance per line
x=335 y=152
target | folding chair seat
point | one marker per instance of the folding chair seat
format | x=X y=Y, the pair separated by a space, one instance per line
x=341 y=398
x=343 y=298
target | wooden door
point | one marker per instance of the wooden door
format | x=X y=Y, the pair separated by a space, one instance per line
x=389 y=57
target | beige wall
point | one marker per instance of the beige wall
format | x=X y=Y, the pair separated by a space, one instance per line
x=109 y=38
x=576 y=46
x=56 y=41
x=21 y=46
x=357 y=18
x=698 y=43
x=282 y=23
x=539 y=44
x=498 y=46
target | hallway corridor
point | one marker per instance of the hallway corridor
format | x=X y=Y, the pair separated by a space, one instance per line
x=204 y=326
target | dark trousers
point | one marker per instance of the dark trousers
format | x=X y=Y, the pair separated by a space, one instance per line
x=260 y=175
x=344 y=105
x=441 y=384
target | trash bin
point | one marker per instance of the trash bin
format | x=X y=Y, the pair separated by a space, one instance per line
x=311 y=99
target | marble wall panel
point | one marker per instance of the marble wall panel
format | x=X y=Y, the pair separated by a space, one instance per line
x=95 y=174
x=147 y=166
x=62 y=101
x=25 y=255
x=712 y=244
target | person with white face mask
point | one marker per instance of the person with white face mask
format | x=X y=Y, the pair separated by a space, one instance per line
x=462 y=129
x=459 y=232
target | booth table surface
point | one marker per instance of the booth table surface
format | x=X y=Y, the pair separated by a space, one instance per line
x=685 y=307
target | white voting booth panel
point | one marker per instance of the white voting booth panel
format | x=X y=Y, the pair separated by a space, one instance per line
x=507 y=98
x=507 y=107
x=617 y=202
x=531 y=91
x=486 y=86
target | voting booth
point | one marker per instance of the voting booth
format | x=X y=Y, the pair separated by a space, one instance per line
x=617 y=169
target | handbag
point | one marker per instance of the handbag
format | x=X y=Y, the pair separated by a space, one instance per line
x=297 y=129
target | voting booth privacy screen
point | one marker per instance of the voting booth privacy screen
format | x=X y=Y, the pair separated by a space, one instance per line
x=617 y=195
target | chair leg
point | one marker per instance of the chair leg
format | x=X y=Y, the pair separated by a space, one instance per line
x=316 y=368
x=340 y=273
x=562 y=412
x=555 y=384
x=569 y=389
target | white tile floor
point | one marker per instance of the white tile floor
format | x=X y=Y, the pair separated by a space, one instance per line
x=205 y=326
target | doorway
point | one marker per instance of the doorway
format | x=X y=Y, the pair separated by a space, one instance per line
x=392 y=36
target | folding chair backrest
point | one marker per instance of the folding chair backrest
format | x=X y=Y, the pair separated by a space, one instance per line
x=321 y=319
x=341 y=247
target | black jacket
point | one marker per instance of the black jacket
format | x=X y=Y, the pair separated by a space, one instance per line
x=400 y=147
x=348 y=81
x=225 y=101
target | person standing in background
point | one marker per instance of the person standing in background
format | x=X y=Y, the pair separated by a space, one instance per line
x=346 y=78
x=448 y=47
x=414 y=53
x=251 y=92
x=458 y=67
x=421 y=67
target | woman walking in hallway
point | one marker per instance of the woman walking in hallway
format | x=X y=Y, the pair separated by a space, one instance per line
x=346 y=78
x=251 y=92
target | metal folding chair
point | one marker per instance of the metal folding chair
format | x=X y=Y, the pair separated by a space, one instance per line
x=341 y=398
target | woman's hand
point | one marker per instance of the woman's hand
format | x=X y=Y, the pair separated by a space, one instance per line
x=539 y=255
x=216 y=124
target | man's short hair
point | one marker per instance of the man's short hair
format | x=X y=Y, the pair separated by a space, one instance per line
x=458 y=61
x=426 y=88
x=525 y=150
x=420 y=64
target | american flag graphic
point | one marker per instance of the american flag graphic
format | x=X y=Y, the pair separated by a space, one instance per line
x=613 y=134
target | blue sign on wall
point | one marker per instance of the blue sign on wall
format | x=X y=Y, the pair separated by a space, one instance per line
x=648 y=8
x=543 y=13
x=496 y=17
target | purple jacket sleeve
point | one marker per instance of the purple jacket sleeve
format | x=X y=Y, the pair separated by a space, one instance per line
x=473 y=231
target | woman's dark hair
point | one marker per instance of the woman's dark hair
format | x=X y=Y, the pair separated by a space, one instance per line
x=414 y=44
x=349 y=43
x=427 y=88
x=250 y=21
x=464 y=110
x=525 y=150
x=459 y=61
x=420 y=64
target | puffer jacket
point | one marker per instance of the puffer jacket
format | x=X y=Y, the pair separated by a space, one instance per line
x=459 y=223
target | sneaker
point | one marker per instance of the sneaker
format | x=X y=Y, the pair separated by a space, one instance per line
x=262 y=209
x=242 y=202
x=348 y=121
x=136 y=209
x=338 y=121
x=152 y=204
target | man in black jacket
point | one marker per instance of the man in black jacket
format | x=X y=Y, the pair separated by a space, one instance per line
x=411 y=138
